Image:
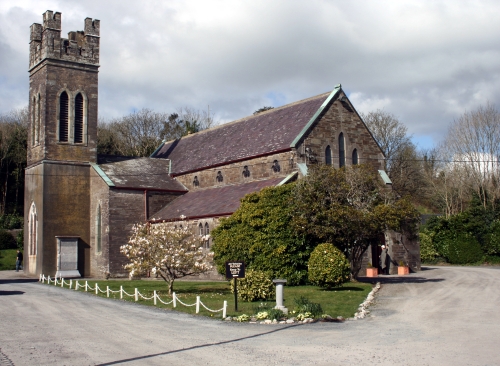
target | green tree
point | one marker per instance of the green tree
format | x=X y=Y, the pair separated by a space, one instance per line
x=349 y=208
x=260 y=233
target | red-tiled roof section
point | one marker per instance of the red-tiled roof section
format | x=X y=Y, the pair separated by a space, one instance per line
x=211 y=202
x=139 y=173
x=261 y=134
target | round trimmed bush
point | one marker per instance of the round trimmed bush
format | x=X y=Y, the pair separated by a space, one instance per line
x=256 y=285
x=464 y=249
x=328 y=267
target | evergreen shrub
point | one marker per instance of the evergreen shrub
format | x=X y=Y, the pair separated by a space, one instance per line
x=464 y=249
x=328 y=267
x=257 y=285
x=7 y=241
x=428 y=252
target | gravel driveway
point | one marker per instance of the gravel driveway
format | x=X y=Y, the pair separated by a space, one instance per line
x=440 y=316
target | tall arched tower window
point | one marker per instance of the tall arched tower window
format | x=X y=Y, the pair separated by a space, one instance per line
x=38 y=122
x=33 y=230
x=98 y=230
x=341 y=150
x=79 y=117
x=355 y=157
x=200 y=229
x=63 y=117
x=34 y=121
x=328 y=155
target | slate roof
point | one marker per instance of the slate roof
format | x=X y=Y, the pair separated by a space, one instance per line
x=131 y=172
x=211 y=202
x=262 y=134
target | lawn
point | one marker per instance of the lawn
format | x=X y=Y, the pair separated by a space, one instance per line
x=342 y=301
x=8 y=259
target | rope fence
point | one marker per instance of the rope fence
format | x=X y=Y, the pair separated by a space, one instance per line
x=136 y=295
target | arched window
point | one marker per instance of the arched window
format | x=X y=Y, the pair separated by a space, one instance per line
x=34 y=115
x=63 y=117
x=328 y=155
x=79 y=115
x=33 y=230
x=200 y=229
x=341 y=150
x=98 y=227
x=355 y=157
x=38 y=120
x=207 y=233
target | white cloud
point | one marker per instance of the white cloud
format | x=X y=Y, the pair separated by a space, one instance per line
x=426 y=62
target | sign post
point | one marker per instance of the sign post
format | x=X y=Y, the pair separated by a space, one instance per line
x=235 y=270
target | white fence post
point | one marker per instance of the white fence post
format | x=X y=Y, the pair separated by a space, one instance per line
x=96 y=288
x=62 y=282
x=121 y=292
x=40 y=280
x=173 y=299
x=224 y=310
x=70 y=284
x=107 y=291
x=77 y=285
x=197 y=304
x=136 y=294
x=86 y=285
x=154 y=297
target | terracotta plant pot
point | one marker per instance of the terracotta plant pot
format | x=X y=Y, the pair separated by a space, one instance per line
x=403 y=270
x=372 y=272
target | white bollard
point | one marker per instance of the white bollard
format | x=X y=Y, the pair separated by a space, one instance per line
x=107 y=291
x=136 y=294
x=62 y=282
x=121 y=292
x=86 y=285
x=173 y=298
x=70 y=284
x=96 y=289
x=197 y=304
x=154 y=297
x=77 y=285
x=40 y=280
x=224 y=310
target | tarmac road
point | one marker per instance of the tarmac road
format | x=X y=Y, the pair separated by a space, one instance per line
x=440 y=316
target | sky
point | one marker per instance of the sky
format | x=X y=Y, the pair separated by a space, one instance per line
x=426 y=62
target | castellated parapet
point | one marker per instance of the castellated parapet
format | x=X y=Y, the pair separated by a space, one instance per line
x=81 y=47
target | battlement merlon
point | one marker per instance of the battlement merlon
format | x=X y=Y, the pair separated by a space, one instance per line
x=52 y=20
x=92 y=27
x=36 y=32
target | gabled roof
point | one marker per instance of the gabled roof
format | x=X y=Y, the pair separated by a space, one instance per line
x=266 y=133
x=211 y=202
x=136 y=173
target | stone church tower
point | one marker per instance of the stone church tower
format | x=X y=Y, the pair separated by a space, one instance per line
x=62 y=143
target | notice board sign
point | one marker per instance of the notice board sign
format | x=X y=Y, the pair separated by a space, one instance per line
x=235 y=270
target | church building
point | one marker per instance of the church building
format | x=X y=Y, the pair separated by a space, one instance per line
x=80 y=206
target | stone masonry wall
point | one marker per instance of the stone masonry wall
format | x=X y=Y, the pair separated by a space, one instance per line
x=258 y=169
x=336 y=119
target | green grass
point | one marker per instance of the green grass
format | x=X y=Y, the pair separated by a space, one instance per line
x=8 y=259
x=343 y=301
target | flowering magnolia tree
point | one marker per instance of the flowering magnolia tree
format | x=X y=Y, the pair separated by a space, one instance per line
x=167 y=252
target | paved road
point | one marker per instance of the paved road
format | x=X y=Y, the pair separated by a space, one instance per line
x=440 y=316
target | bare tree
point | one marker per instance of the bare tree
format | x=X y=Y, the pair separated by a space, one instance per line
x=141 y=132
x=402 y=158
x=473 y=148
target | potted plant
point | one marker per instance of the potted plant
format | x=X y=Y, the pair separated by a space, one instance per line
x=371 y=271
x=403 y=269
